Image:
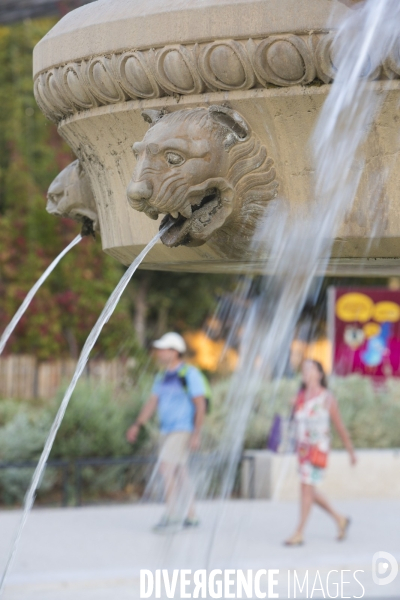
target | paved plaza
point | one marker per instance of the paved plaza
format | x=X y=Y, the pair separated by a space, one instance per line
x=96 y=553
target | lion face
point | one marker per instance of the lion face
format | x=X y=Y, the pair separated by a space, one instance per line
x=192 y=167
x=71 y=196
x=181 y=172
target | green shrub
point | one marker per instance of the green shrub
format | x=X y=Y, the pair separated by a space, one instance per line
x=22 y=439
x=371 y=415
x=8 y=409
x=94 y=425
x=272 y=398
x=98 y=416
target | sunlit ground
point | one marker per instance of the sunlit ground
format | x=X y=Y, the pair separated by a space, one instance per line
x=96 y=553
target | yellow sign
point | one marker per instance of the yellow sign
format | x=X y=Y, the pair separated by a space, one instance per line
x=386 y=312
x=354 y=307
x=371 y=329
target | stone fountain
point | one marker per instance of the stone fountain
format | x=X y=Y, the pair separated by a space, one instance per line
x=199 y=113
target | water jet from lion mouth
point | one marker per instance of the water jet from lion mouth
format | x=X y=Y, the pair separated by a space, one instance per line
x=211 y=203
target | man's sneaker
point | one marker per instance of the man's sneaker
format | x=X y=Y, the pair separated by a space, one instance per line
x=190 y=523
x=168 y=525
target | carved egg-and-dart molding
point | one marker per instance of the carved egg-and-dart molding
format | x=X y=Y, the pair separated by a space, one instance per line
x=223 y=65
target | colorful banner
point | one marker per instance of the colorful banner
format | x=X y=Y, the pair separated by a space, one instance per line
x=364 y=328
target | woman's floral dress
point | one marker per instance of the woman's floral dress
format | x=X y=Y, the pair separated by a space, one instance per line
x=312 y=429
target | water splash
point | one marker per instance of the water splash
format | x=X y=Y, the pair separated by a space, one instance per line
x=29 y=297
x=84 y=357
x=300 y=250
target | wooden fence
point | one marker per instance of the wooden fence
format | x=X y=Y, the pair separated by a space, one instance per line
x=22 y=376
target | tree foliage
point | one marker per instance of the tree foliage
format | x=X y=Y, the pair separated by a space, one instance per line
x=56 y=324
x=31 y=155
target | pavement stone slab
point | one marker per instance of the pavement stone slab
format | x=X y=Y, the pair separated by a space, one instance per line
x=96 y=553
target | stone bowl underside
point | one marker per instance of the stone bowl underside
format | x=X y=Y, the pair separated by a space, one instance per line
x=269 y=60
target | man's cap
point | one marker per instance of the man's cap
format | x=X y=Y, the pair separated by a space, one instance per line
x=171 y=341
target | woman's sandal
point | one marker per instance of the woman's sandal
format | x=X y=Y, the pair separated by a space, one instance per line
x=343 y=528
x=295 y=540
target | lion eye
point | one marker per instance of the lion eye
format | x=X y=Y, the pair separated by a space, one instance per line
x=174 y=159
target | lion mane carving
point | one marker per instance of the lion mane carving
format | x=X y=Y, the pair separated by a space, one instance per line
x=207 y=172
x=71 y=196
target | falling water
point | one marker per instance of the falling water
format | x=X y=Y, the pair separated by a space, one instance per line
x=84 y=357
x=300 y=249
x=18 y=315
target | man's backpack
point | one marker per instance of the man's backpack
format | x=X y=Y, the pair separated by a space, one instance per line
x=182 y=373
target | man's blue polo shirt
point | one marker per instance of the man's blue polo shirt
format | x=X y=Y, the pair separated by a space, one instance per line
x=176 y=410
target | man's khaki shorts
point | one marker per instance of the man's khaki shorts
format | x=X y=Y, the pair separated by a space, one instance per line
x=175 y=448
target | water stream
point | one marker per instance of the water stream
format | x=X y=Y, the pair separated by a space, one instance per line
x=20 y=312
x=300 y=248
x=83 y=358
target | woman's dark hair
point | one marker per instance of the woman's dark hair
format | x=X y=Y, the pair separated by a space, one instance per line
x=321 y=371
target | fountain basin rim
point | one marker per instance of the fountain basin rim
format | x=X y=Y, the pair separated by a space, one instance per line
x=105 y=27
x=372 y=267
x=232 y=65
x=206 y=99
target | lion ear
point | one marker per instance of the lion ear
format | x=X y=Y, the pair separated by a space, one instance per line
x=152 y=116
x=235 y=126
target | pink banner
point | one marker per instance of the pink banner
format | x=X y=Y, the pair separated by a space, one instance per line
x=365 y=331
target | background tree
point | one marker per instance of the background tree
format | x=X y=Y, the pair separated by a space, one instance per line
x=67 y=306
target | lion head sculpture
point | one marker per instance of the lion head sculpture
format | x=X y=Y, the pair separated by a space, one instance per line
x=71 y=196
x=207 y=172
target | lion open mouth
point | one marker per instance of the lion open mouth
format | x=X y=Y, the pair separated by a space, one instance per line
x=188 y=231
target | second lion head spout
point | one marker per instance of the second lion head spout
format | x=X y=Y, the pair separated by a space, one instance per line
x=207 y=173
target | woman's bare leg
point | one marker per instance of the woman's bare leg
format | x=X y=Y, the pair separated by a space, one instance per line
x=324 y=504
x=307 y=499
x=341 y=521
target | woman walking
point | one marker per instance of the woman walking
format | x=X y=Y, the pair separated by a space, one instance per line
x=314 y=408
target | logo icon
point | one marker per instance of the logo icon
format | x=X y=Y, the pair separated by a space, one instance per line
x=384 y=568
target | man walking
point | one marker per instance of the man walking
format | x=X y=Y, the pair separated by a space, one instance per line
x=179 y=396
